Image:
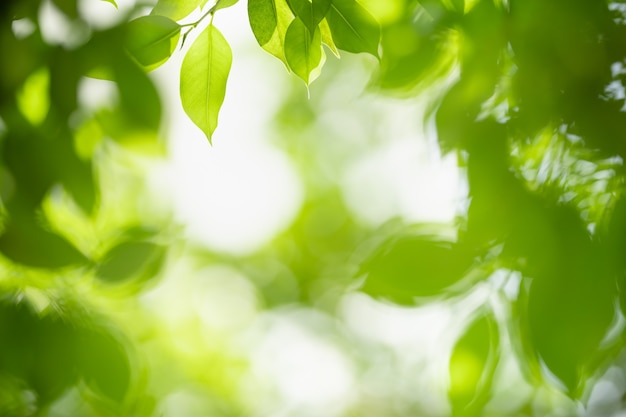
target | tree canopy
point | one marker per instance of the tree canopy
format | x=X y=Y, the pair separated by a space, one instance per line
x=528 y=95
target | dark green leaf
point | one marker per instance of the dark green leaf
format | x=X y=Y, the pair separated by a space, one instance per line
x=310 y=12
x=353 y=28
x=128 y=260
x=151 y=40
x=104 y=364
x=203 y=77
x=303 y=50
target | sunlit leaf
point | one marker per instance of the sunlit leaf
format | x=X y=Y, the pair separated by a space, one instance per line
x=407 y=267
x=263 y=19
x=472 y=365
x=353 y=28
x=222 y=4
x=303 y=51
x=310 y=12
x=112 y=2
x=33 y=99
x=269 y=20
x=327 y=37
x=203 y=79
x=151 y=40
x=175 y=9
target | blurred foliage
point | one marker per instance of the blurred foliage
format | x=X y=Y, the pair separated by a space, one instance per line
x=528 y=94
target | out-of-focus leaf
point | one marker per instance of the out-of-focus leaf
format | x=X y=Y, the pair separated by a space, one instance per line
x=408 y=267
x=175 y=9
x=472 y=365
x=33 y=99
x=138 y=96
x=310 y=12
x=69 y=7
x=104 y=364
x=151 y=40
x=353 y=28
x=24 y=241
x=303 y=50
x=203 y=77
x=130 y=259
x=569 y=313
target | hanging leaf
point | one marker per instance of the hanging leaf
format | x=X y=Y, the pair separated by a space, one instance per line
x=203 y=77
x=175 y=9
x=151 y=40
x=303 y=51
x=263 y=18
x=353 y=28
x=310 y=12
x=112 y=2
x=414 y=266
x=130 y=260
x=472 y=365
x=327 y=37
x=269 y=20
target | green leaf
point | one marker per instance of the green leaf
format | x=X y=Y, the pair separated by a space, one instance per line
x=269 y=20
x=222 y=4
x=104 y=364
x=175 y=9
x=128 y=260
x=69 y=7
x=263 y=18
x=33 y=99
x=407 y=267
x=303 y=50
x=151 y=40
x=203 y=78
x=327 y=37
x=571 y=306
x=310 y=12
x=353 y=28
x=112 y=2
x=472 y=365
x=24 y=241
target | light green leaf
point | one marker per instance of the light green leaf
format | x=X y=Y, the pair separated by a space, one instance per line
x=327 y=37
x=203 y=77
x=151 y=40
x=112 y=2
x=472 y=365
x=222 y=4
x=311 y=12
x=33 y=99
x=353 y=28
x=175 y=9
x=303 y=51
x=283 y=18
x=263 y=19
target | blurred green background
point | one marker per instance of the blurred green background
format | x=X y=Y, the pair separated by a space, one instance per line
x=441 y=232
